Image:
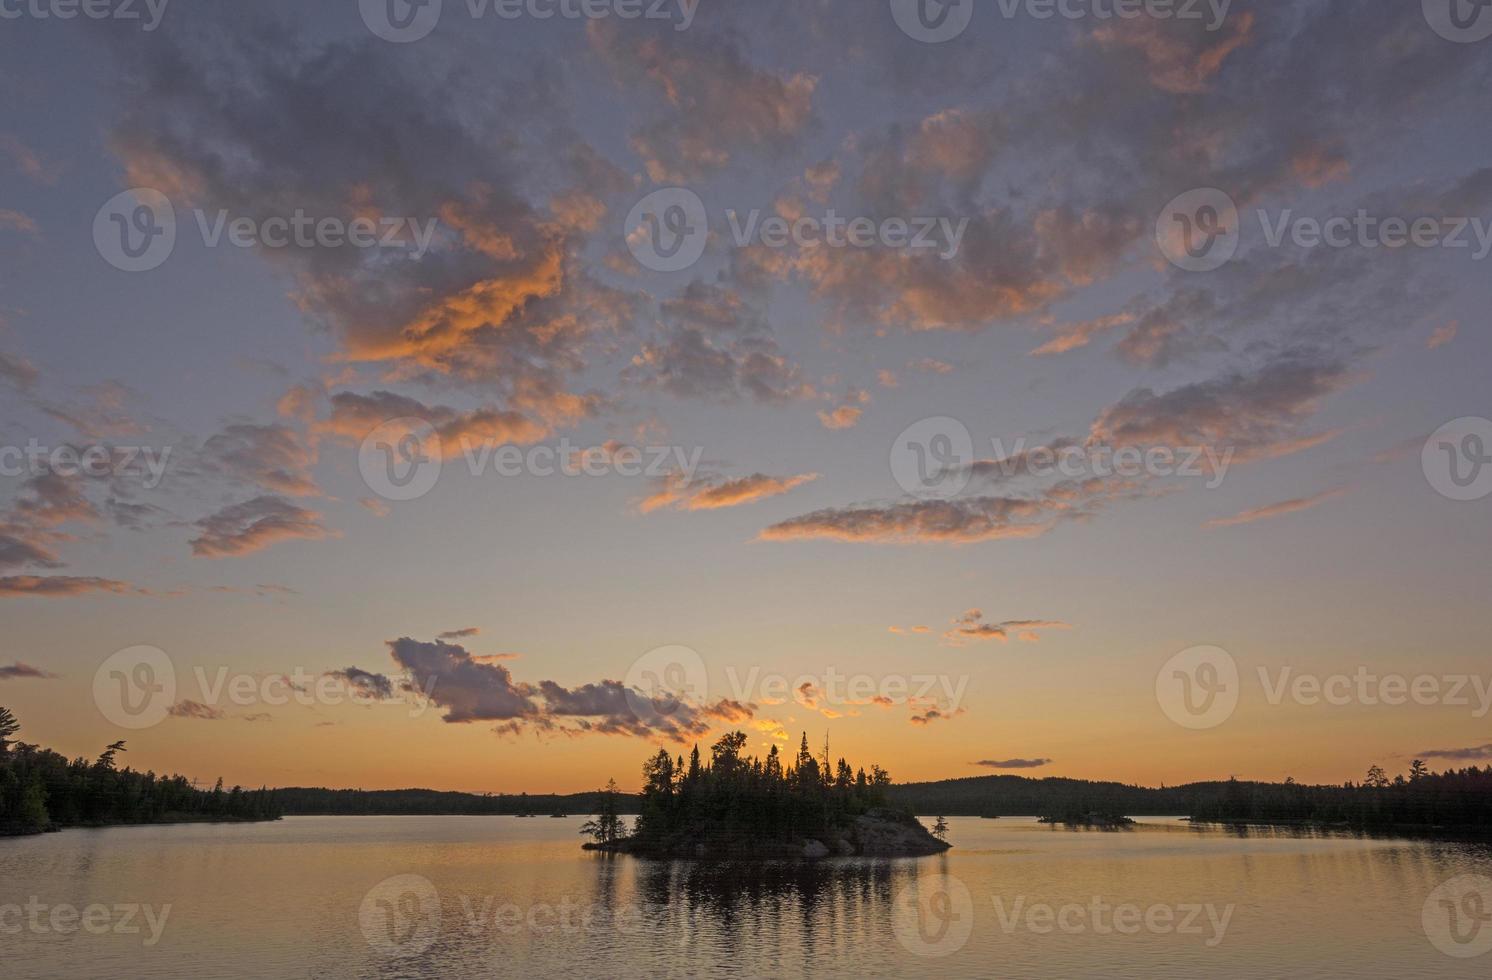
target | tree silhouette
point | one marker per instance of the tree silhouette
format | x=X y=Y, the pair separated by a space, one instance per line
x=43 y=790
x=940 y=829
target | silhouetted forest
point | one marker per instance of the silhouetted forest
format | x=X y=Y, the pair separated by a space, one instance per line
x=1456 y=802
x=737 y=799
x=42 y=790
x=305 y=801
x=1421 y=800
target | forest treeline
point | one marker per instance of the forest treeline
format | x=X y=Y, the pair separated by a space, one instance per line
x=42 y=790
x=1456 y=799
x=732 y=800
x=308 y=801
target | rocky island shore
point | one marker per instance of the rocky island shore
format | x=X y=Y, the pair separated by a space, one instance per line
x=878 y=833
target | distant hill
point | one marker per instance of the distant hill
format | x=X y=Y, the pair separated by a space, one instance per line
x=303 y=801
x=1023 y=796
x=1454 y=803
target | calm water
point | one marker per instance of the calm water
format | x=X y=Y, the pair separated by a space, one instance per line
x=500 y=896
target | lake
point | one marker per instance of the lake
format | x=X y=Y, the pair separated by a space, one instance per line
x=502 y=896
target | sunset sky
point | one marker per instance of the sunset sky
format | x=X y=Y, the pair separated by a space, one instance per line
x=785 y=377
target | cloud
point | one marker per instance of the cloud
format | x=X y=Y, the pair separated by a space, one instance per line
x=964 y=520
x=1277 y=510
x=195 y=710
x=19 y=548
x=19 y=670
x=1443 y=335
x=459 y=634
x=371 y=684
x=241 y=529
x=62 y=586
x=1072 y=336
x=498 y=299
x=473 y=689
x=269 y=456
x=678 y=491
x=1258 y=412
x=928 y=715
x=971 y=626
x=1179 y=59
x=702 y=80
x=714 y=343
x=1013 y=763
x=1468 y=754
x=26 y=160
x=354 y=416
x=18 y=371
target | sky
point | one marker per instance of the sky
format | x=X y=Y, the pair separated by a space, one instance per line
x=987 y=391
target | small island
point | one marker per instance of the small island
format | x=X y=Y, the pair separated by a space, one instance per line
x=736 y=807
x=1082 y=819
